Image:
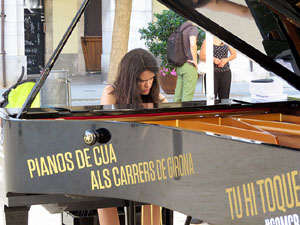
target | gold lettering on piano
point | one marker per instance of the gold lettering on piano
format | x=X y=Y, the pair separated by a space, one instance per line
x=143 y=172
x=45 y=166
x=271 y=194
x=99 y=160
x=161 y=169
x=82 y=158
x=100 y=181
x=102 y=155
x=181 y=165
x=63 y=162
x=133 y=174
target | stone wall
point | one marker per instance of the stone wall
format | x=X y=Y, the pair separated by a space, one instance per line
x=57 y=21
x=14 y=42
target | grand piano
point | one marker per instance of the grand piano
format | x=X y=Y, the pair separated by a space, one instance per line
x=235 y=161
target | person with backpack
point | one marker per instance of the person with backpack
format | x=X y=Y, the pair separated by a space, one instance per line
x=187 y=75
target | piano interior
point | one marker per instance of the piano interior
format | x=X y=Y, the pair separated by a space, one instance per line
x=272 y=128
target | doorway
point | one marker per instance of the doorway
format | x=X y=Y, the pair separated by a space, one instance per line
x=34 y=35
x=91 y=42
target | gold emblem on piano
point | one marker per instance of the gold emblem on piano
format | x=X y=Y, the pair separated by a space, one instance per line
x=90 y=137
x=102 y=135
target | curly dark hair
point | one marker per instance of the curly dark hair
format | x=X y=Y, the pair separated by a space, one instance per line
x=131 y=66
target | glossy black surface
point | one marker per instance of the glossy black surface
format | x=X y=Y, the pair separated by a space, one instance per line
x=111 y=111
x=138 y=164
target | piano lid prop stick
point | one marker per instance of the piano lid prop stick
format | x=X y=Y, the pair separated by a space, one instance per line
x=45 y=73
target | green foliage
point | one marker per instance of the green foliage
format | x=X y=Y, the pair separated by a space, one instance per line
x=157 y=33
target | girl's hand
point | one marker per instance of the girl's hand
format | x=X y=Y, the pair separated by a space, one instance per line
x=222 y=62
x=217 y=61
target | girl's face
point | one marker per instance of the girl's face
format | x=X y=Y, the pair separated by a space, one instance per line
x=145 y=82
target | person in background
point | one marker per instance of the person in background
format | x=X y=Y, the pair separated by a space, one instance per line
x=136 y=83
x=222 y=72
x=187 y=75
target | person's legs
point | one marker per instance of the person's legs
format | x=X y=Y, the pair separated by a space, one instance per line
x=190 y=78
x=151 y=215
x=216 y=83
x=178 y=89
x=108 y=216
x=225 y=82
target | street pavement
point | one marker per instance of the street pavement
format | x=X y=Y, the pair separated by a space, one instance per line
x=86 y=90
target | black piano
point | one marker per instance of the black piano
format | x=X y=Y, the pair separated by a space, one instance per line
x=230 y=162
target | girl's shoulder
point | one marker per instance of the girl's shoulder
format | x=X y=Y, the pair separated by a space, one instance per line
x=109 y=88
x=108 y=97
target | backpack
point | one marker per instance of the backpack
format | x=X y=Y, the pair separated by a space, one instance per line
x=15 y=96
x=176 y=54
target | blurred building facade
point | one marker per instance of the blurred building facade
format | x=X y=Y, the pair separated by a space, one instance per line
x=33 y=28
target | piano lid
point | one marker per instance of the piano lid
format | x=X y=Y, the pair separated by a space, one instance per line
x=267 y=31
